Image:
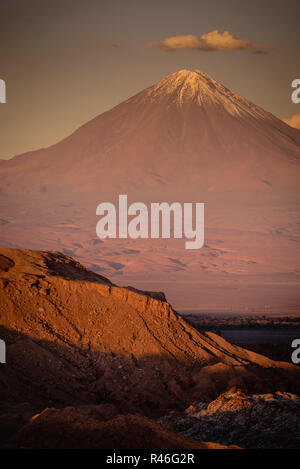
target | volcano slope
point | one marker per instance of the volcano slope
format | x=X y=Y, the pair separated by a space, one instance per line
x=75 y=339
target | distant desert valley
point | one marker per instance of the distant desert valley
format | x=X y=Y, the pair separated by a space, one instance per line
x=140 y=343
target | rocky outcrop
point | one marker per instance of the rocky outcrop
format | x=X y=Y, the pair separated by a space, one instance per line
x=252 y=421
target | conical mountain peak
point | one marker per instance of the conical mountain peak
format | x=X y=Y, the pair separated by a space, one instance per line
x=187 y=85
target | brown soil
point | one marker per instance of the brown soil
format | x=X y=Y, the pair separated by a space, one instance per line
x=72 y=428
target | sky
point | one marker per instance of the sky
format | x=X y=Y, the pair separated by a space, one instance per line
x=66 y=61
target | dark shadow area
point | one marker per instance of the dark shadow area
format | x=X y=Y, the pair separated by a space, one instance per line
x=279 y=352
x=5 y=263
x=73 y=428
x=66 y=267
x=40 y=374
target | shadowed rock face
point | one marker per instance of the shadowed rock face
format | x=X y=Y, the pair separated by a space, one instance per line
x=5 y=263
x=72 y=428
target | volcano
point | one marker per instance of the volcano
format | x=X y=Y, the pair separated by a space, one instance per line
x=187 y=138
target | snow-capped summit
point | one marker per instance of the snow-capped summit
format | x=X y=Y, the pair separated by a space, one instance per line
x=187 y=86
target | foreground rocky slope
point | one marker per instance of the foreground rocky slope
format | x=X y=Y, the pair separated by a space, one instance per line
x=74 y=428
x=73 y=339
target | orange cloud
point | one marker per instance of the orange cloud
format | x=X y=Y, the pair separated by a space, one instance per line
x=293 y=121
x=212 y=41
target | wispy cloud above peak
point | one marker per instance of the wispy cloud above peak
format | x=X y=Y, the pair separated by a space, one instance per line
x=212 y=41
